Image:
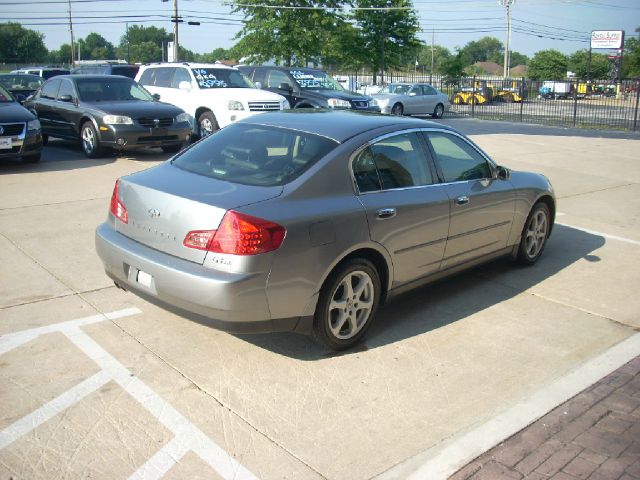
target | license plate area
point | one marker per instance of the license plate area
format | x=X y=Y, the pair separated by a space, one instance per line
x=6 y=143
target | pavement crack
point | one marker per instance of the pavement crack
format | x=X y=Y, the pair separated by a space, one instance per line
x=64 y=202
x=598 y=190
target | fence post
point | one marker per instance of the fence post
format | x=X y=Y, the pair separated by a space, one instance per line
x=522 y=92
x=575 y=103
x=635 y=114
x=473 y=98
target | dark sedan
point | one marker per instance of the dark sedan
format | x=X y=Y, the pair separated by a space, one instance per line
x=108 y=112
x=20 y=135
x=20 y=86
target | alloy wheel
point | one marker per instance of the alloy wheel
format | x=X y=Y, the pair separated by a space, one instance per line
x=351 y=304
x=536 y=233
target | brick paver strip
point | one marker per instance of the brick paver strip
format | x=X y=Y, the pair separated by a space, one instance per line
x=593 y=436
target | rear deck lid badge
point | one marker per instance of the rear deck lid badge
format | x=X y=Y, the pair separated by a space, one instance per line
x=153 y=212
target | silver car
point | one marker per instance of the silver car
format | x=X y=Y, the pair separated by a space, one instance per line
x=308 y=221
x=412 y=99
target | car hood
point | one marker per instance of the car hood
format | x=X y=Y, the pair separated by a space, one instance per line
x=136 y=108
x=14 y=112
x=350 y=96
x=248 y=94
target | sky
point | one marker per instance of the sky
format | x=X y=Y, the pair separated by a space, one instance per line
x=536 y=24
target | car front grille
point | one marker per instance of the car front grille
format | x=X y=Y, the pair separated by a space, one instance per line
x=263 y=106
x=360 y=104
x=150 y=122
x=11 y=129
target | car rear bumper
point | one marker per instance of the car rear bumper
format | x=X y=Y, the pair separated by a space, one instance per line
x=234 y=302
x=134 y=136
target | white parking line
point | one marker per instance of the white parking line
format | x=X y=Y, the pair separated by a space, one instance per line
x=187 y=438
x=601 y=234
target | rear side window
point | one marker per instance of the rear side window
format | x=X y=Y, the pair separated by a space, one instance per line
x=255 y=155
x=458 y=160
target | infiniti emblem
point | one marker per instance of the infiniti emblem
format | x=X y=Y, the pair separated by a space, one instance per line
x=1 y=129
x=154 y=212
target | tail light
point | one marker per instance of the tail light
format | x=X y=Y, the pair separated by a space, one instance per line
x=117 y=208
x=238 y=234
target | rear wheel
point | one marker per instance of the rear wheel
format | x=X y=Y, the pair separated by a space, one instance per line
x=397 y=109
x=438 y=111
x=347 y=305
x=207 y=124
x=535 y=234
x=90 y=142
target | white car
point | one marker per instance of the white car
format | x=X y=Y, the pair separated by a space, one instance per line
x=214 y=95
x=412 y=99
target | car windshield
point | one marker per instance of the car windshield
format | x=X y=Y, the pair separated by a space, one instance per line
x=221 y=78
x=110 y=90
x=396 y=88
x=255 y=155
x=5 y=96
x=20 y=82
x=315 y=80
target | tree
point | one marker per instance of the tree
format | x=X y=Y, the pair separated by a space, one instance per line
x=290 y=36
x=579 y=64
x=517 y=58
x=143 y=44
x=387 y=36
x=484 y=50
x=631 y=60
x=440 y=57
x=548 y=65
x=95 y=47
x=60 y=56
x=454 y=66
x=21 y=45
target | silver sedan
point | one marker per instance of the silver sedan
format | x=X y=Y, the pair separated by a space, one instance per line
x=309 y=221
x=412 y=99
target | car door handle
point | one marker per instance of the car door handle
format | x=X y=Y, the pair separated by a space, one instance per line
x=462 y=200
x=386 y=213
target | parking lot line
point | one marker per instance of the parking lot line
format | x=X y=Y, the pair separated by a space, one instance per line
x=440 y=462
x=600 y=234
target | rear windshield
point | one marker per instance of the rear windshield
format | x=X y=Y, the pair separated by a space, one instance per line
x=255 y=155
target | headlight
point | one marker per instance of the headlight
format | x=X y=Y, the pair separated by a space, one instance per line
x=235 y=105
x=117 y=120
x=285 y=105
x=33 y=124
x=336 y=102
x=381 y=102
x=183 y=117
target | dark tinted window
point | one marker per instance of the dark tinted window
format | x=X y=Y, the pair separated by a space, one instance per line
x=66 y=88
x=110 y=89
x=50 y=89
x=458 y=160
x=255 y=155
x=125 y=70
x=276 y=78
x=399 y=162
x=52 y=73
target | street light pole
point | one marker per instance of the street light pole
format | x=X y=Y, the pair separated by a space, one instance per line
x=507 y=4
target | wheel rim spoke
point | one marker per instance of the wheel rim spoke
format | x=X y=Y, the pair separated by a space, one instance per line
x=351 y=305
x=536 y=234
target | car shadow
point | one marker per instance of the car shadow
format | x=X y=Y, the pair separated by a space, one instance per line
x=437 y=305
x=61 y=155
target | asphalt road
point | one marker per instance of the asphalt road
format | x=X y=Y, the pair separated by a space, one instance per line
x=98 y=383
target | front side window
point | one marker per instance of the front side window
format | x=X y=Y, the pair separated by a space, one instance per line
x=66 y=88
x=396 y=88
x=181 y=75
x=50 y=89
x=255 y=155
x=164 y=76
x=458 y=160
x=148 y=77
x=277 y=78
x=394 y=162
x=207 y=78
x=5 y=96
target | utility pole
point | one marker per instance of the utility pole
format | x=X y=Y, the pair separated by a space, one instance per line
x=507 y=4
x=71 y=31
x=433 y=38
x=175 y=30
x=128 y=49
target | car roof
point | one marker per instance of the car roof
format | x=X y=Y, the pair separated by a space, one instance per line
x=339 y=125
x=96 y=76
x=188 y=64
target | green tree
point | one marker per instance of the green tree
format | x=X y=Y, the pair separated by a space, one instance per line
x=21 y=45
x=487 y=49
x=387 y=37
x=631 y=60
x=60 y=56
x=548 y=65
x=96 y=47
x=454 y=66
x=145 y=44
x=579 y=64
x=440 y=56
x=291 y=36
x=517 y=58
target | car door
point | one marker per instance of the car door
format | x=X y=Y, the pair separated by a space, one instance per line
x=415 y=102
x=407 y=211
x=66 y=106
x=482 y=206
x=431 y=98
x=274 y=81
x=44 y=106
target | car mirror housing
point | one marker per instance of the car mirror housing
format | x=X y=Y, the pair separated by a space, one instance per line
x=156 y=97
x=503 y=173
x=259 y=85
x=66 y=98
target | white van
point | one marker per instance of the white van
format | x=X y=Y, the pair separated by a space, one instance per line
x=214 y=95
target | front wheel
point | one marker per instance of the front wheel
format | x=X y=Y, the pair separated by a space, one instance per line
x=438 y=111
x=207 y=124
x=90 y=142
x=534 y=235
x=347 y=305
x=397 y=109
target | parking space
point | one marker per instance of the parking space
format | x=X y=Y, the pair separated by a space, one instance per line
x=98 y=383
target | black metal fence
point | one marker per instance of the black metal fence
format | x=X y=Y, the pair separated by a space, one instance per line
x=570 y=103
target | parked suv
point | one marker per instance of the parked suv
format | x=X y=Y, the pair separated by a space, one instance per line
x=107 y=69
x=214 y=95
x=44 y=72
x=308 y=88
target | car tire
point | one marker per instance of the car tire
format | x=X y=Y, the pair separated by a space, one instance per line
x=343 y=315
x=534 y=234
x=32 y=158
x=45 y=139
x=438 y=111
x=172 y=148
x=90 y=142
x=397 y=109
x=207 y=124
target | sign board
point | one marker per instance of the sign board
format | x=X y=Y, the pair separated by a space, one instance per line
x=170 y=52
x=607 y=38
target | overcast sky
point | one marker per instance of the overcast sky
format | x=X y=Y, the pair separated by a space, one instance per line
x=537 y=24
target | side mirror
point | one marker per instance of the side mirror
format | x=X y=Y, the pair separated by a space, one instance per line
x=259 y=85
x=156 y=97
x=503 y=173
x=184 y=85
x=286 y=87
x=412 y=94
x=66 y=98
